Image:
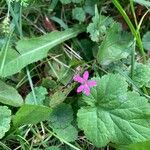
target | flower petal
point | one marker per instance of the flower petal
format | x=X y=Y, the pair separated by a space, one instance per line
x=80 y=88
x=86 y=75
x=86 y=90
x=92 y=83
x=78 y=79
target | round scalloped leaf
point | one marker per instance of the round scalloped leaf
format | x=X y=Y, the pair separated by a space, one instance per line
x=115 y=46
x=5 y=118
x=141 y=75
x=79 y=14
x=61 y=116
x=114 y=115
x=68 y=133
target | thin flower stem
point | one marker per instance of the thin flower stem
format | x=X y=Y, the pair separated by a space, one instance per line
x=133 y=12
x=133 y=59
x=133 y=52
x=134 y=42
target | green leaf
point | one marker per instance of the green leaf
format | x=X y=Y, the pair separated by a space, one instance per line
x=136 y=146
x=61 y=116
x=31 y=114
x=143 y=2
x=79 y=14
x=60 y=121
x=115 y=46
x=34 y=49
x=9 y=95
x=5 y=118
x=48 y=83
x=77 y=1
x=65 y=1
x=146 y=41
x=99 y=26
x=141 y=75
x=89 y=6
x=40 y=93
x=68 y=133
x=114 y=115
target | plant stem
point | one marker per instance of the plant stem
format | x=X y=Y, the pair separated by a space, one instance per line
x=132 y=59
x=31 y=85
x=133 y=12
x=133 y=30
x=4 y=146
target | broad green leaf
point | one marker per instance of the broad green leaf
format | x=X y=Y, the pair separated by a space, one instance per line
x=5 y=118
x=40 y=93
x=48 y=83
x=143 y=2
x=99 y=26
x=136 y=146
x=115 y=46
x=146 y=41
x=61 y=116
x=68 y=133
x=34 y=49
x=114 y=115
x=141 y=75
x=79 y=14
x=9 y=95
x=31 y=114
x=60 y=121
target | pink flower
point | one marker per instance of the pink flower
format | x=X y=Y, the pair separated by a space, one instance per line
x=85 y=83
